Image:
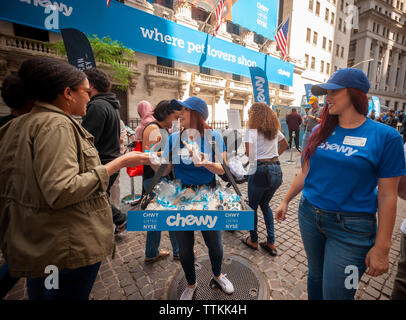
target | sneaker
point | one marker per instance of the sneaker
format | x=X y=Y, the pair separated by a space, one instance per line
x=224 y=284
x=188 y=293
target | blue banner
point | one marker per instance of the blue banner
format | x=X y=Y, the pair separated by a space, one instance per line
x=308 y=90
x=260 y=16
x=146 y=33
x=260 y=85
x=187 y=220
x=374 y=106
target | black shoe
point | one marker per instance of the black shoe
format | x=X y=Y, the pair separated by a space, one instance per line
x=298 y=149
x=272 y=251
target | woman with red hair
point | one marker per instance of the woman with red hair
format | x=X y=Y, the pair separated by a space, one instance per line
x=348 y=156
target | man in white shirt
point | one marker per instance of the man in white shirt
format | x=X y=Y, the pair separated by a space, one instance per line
x=399 y=287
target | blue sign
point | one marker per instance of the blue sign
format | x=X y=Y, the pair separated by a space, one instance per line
x=308 y=90
x=374 y=106
x=260 y=16
x=146 y=33
x=188 y=220
x=260 y=85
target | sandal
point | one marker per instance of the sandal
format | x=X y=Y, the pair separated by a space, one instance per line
x=272 y=251
x=162 y=254
x=245 y=241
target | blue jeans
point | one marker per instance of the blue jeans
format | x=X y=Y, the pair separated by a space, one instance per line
x=7 y=282
x=186 y=241
x=306 y=137
x=74 y=284
x=154 y=238
x=261 y=188
x=336 y=246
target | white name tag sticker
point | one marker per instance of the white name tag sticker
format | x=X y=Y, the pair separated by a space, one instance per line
x=355 y=141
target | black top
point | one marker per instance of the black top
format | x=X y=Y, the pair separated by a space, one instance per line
x=102 y=120
x=5 y=119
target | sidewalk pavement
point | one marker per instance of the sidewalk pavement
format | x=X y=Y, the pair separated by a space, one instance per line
x=127 y=277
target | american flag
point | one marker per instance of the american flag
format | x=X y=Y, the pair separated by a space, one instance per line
x=108 y=2
x=282 y=40
x=219 y=15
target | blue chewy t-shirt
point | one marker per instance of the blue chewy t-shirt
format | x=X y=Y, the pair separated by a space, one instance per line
x=185 y=170
x=345 y=169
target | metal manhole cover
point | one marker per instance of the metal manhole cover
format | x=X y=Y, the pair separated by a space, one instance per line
x=249 y=283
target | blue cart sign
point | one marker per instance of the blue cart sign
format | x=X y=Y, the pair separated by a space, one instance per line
x=190 y=220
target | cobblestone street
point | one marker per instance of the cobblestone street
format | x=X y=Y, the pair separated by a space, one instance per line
x=128 y=277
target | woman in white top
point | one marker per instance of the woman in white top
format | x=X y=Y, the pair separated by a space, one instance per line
x=266 y=141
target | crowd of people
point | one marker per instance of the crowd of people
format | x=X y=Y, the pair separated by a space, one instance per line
x=57 y=205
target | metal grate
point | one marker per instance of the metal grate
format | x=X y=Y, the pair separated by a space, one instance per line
x=249 y=283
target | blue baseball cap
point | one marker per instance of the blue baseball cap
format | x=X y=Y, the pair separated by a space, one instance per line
x=343 y=78
x=193 y=103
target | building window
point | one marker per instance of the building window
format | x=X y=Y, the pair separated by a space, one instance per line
x=205 y=70
x=322 y=66
x=342 y=5
x=166 y=3
x=328 y=68
x=324 y=43
x=332 y=18
x=313 y=64
x=236 y=77
x=311 y=4
x=315 y=38
x=308 y=35
x=317 y=8
x=330 y=45
x=342 y=52
x=164 y=62
x=326 y=16
x=340 y=22
x=307 y=61
x=337 y=50
x=335 y=68
x=259 y=39
x=233 y=28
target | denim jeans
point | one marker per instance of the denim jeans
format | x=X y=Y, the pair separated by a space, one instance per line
x=74 y=284
x=154 y=238
x=261 y=188
x=306 y=137
x=7 y=282
x=336 y=246
x=186 y=241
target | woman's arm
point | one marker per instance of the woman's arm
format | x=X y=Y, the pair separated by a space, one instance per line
x=295 y=188
x=283 y=144
x=213 y=167
x=377 y=259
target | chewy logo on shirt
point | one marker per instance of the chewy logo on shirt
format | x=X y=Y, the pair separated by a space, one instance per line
x=348 y=151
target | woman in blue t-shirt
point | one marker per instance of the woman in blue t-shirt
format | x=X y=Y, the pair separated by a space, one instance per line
x=197 y=170
x=347 y=157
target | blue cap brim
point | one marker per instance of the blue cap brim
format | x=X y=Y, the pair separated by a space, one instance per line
x=177 y=105
x=321 y=89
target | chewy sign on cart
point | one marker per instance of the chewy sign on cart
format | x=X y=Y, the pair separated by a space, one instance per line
x=190 y=220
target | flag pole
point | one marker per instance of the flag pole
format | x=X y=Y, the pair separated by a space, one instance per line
x=267 y=40
x=210 y=15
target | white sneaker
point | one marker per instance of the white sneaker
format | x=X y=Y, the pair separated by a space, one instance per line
x=188 y=293
x=224 y=284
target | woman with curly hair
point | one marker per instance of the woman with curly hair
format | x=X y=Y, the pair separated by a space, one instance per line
x=263 y=138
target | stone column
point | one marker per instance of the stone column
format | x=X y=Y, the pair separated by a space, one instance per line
x=374 y=66
x=384 y=69
x=401 y=83
x=394 y=69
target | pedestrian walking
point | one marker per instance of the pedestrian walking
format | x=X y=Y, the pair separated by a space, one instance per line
x=54 y=210
x=294 y=120
x=347 y=157
x=267 y=142
x=392 y=120
x=312 y=119
x=102 y=120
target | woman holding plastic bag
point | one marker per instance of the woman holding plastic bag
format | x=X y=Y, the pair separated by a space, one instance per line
x=262 y=138
x=193 y=166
